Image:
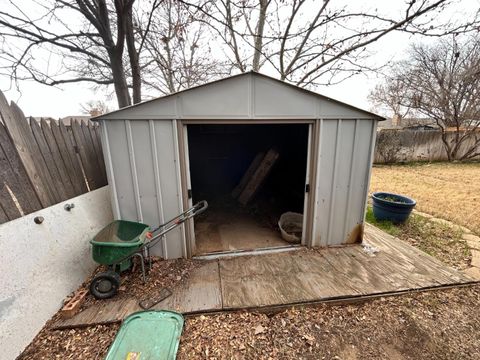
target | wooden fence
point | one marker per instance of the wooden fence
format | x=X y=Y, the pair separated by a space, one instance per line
x=415 y=145
x=44 y=163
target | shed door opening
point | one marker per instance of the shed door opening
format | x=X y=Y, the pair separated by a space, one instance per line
x=250 y=175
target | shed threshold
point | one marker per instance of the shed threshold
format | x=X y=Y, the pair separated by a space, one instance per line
x=261 y=251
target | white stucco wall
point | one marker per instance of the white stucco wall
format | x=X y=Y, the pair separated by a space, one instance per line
x=42 y=264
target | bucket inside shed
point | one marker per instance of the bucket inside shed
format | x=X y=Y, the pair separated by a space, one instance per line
x=246 y=205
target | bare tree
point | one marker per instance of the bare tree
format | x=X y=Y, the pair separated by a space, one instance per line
x=95 y=107
x=310 y=42
x=177 y=52
x=441 y=81
x=155 y=43
x=88 y=38
x=389 y=97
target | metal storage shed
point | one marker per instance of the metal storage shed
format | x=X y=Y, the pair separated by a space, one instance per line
x=146 y=148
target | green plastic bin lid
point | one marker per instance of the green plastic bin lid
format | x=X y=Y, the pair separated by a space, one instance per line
x=147 y=335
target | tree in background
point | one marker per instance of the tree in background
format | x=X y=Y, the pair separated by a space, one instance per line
x=309 y=42
x=124 y=43
x=88 y=38
x=389 y=98
x=95 y=108
x=163 y=43
x=178 y=54
x=440 y=81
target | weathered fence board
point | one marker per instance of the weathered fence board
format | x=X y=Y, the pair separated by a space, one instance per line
x=19 y=182
x=88 y=166
x=74 y=157
x=92 y=156
x=57 y=158
x=3 y=216
x=39 y=161
x=22 y=148
x=406 y=145
x=72 y=166
x=98 y=149
x=47 y=156
x=7 y=177
x=44 y=163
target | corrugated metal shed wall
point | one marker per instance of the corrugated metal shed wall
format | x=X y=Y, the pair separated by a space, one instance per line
x=141 y=151
x=142 y=163
x=343 y=171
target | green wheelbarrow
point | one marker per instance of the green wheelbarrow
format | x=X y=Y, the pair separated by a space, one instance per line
x=120 y=241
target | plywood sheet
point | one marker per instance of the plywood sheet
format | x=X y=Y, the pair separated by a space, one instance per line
x=200 y=293
x=105 y=312
x=332 y=273
x=228 y=231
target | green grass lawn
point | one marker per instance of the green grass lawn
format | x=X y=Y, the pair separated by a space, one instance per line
x=438 y=240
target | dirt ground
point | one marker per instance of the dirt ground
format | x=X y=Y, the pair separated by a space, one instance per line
x=446 y=190
x=93 y=342
x=430 y=325
x=443 y=324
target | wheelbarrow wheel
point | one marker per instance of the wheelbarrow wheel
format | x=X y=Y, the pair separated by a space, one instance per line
x=105 y=285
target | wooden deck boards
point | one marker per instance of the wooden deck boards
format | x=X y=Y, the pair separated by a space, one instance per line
x=303 y=276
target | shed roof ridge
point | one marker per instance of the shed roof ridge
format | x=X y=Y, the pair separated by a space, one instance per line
x=248 y=73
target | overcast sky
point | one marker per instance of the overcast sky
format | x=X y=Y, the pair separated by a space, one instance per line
x=40 y=100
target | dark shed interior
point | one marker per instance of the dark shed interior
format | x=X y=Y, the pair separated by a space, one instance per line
x=219 y=156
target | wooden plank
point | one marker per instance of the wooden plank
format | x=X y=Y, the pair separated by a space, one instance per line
x=74 y=157
x=201 y=292
x=72 y=166
x=19 y=182
x=55 y=177
x=93 y=159
x=248 y=174
x=92 y=129
x=258 y=176
x=57 y=158
x=100 y=313
x=87 y=165
x=18 y=130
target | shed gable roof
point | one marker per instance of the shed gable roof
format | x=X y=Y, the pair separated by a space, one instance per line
x=245 y=96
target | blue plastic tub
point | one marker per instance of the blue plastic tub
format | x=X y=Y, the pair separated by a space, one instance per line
x=392 y=207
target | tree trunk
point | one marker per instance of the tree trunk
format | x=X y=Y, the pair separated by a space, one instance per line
x=134 y=62
x=119 y=80
x=447 y=146
x=258 y=44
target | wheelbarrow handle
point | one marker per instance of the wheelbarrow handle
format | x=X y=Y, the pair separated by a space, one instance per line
x=195 y=210
x=200 y=207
